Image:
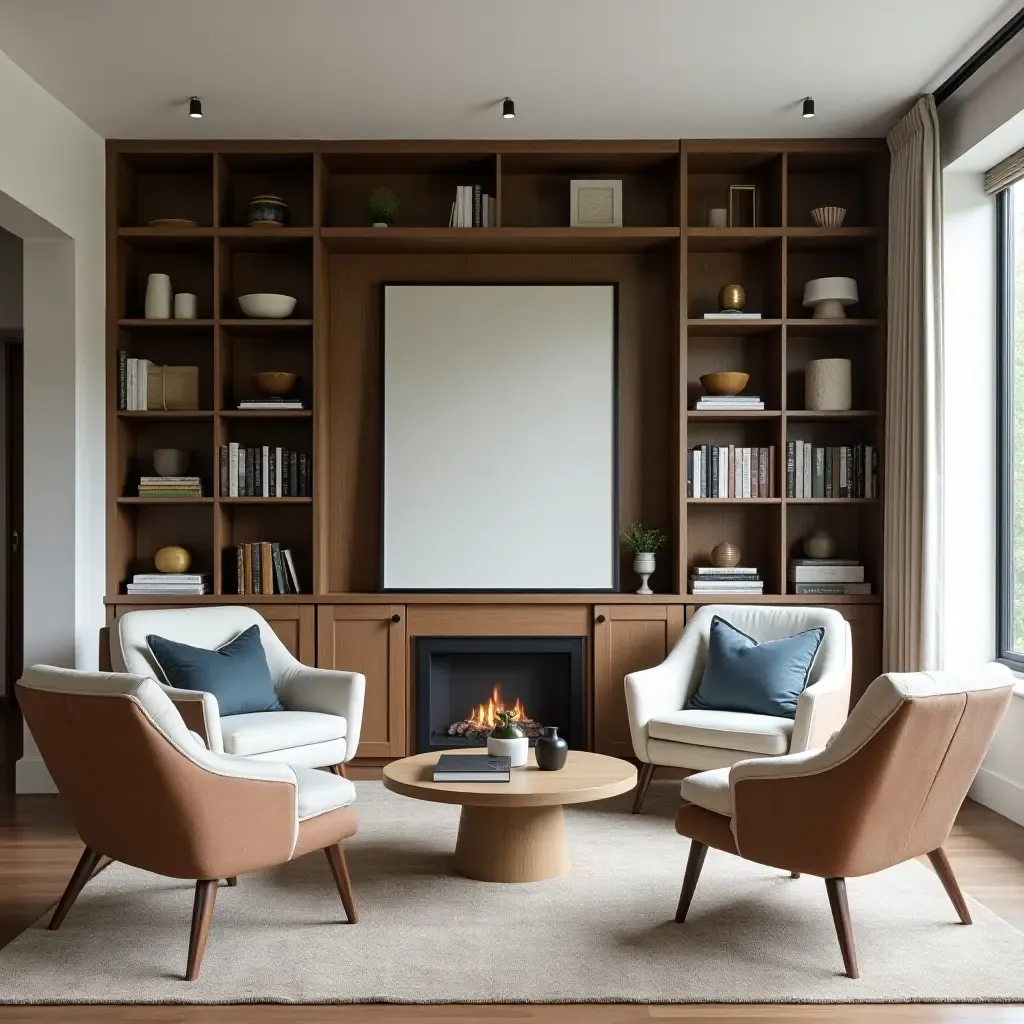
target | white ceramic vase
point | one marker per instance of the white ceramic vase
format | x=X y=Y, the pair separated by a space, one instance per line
x=517 y=749
x=158 y=297
x=184 y=306
x=643 y=563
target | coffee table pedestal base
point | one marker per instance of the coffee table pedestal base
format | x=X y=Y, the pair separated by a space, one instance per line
x=511 y=844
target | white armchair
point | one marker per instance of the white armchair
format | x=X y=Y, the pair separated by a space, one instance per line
x=319 y=727
x=663 y=733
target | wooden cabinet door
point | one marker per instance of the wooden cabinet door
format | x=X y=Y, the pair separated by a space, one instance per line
x=295 y=625
x=626 y=638
x=370 y=639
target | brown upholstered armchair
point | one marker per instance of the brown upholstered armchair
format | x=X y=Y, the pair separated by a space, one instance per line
x=144 y=790
x=885 y=789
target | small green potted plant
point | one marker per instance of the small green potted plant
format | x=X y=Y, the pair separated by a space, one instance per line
x=382 y=206
x=644 y=542
x=508 y=739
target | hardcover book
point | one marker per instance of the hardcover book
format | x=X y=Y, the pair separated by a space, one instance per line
x=473 y=768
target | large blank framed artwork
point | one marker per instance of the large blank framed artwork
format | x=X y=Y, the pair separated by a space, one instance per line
x=499 y=433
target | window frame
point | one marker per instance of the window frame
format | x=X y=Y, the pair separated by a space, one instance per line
x=1004 y=475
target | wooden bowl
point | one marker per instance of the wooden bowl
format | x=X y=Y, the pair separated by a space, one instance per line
x=728 y=382
x=274 y=383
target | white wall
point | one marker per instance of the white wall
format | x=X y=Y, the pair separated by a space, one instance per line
x=52 y=194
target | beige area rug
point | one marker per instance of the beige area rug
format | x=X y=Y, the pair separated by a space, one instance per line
x=604 y=933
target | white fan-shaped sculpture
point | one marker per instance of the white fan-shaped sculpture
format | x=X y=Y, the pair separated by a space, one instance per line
x=828 y=216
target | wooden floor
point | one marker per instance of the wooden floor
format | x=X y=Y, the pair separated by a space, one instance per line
x=38 y=850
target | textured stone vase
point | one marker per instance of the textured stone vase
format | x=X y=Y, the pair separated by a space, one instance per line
x=828 y=385
x=551 y=750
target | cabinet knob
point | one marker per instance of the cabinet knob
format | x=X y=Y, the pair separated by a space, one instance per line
x=396 y=617
x=599 y=619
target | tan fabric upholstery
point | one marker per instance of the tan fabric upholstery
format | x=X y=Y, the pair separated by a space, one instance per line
x=758 y=734
x=705 y=827
x=709 y=790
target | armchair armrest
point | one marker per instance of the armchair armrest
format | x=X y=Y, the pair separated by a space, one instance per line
x=329 y=692
x=820 y=710
x=201 y=714
x=656 y=691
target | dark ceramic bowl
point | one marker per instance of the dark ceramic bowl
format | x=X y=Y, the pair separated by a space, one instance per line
x=267 y=212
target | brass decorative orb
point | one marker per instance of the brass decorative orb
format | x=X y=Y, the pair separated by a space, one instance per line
x=819 y=544
x=732 y=296
x=725 y=555
x=172 y=559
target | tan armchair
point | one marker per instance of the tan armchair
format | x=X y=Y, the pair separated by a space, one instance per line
x=885 y=789
x=144 y=790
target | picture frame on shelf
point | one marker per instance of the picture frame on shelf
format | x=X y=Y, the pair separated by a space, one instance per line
x=743 y=206
x=595 y=204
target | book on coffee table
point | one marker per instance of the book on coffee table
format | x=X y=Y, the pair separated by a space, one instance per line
x=473 y=768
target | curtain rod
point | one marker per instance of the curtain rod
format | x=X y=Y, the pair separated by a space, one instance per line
x=979 y=58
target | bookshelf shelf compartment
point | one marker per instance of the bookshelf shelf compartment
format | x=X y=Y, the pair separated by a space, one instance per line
x=710 y=173
x=181 y=415
x=267 y=414
x=701 y=328
x=161 y=185
x=264 y=501
x=288 y=175
x=164 y=501
x=739 y=414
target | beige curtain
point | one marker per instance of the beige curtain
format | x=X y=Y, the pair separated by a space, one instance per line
x=912 y=581
x=1005 y=173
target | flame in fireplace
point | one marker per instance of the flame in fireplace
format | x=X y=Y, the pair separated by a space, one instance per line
x=485 y=716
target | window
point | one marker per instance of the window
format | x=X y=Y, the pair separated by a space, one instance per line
x=1010 y=268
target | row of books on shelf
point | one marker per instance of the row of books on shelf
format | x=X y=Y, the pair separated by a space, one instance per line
x=264 y=567
x=185 y=584
x=843 y=471
x=143 y=385
x=170 y=487
x=726 y=471
x=473 y=208
x=264 y=472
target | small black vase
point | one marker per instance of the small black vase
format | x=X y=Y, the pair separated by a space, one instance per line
x=551 y=750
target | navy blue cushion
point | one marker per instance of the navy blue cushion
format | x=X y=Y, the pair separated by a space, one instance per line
x=236 y=674
x=743 y=675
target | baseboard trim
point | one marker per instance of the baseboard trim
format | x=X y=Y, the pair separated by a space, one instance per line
x=31 y=776
x=1000 y=794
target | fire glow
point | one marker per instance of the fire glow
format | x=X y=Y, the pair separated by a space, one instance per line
x=484 y=717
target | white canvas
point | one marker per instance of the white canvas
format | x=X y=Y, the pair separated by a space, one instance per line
x=499 y=437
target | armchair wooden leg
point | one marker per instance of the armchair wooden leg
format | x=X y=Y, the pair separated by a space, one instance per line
x=942 y=868
x=339 y=769
x=202 y=915
x=644 y=780
x=232 y=881
x=698 y=851
x=339 y=868
x=836 y=888
x=794 y=874
x=85 y=870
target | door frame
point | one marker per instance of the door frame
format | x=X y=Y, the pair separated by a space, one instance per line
x=14 y=422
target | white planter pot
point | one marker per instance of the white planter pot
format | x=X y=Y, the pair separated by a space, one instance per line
x=518 y=749
x=643 y=563
x=158 y=297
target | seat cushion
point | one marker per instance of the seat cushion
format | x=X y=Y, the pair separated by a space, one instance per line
x=236 y=673
x=741 y=674
x=709 y=790
x=320 y=791
x=266 y=731
x=760 y=734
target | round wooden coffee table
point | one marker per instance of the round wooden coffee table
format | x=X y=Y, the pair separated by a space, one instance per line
x=513 y=831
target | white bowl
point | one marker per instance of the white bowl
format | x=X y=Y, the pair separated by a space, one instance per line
x=267 y=305
x=828 y=216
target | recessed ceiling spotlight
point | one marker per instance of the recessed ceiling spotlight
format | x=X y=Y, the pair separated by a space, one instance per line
x=808 y=110
x=508 y=109
x=195 y=107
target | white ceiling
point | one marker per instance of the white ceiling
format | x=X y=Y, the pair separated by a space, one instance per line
x=439 y=68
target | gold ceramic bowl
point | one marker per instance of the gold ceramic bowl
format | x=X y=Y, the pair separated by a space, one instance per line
x=274 y=383
x=728 y=382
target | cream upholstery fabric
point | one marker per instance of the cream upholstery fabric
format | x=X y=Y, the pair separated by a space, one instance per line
x=655 y=697
x=760 y=734
x=709 y=790
x=331 y=703
x=320 y=791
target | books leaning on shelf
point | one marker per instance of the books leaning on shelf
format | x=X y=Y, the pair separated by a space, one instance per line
x=714 y=580
x=827 y=576
x=846 y=471
x=170 y=487
x=142 y=385
x=271 y=403
x=739 y=403
x=473 y=208
x=266 y=568
x=725 y=471
x=189 y=584
x=264 y=472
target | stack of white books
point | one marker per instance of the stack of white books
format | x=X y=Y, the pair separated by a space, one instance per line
x=717 y=580
x=732 y=314
x=735 y=403
x=167 y=583
x=827 y=576
x=473 y=208
x=271 y=403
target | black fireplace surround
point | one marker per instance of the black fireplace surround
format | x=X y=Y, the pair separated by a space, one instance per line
x=455 y=675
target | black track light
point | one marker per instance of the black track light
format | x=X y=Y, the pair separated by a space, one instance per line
x=508 y=109
x=808 y=110
x=195 y=107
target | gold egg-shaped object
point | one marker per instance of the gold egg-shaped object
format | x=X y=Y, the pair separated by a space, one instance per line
x=725 y=555
x=732 y=296
x=172 y=559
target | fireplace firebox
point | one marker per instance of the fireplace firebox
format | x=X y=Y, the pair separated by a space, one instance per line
x=463 y=682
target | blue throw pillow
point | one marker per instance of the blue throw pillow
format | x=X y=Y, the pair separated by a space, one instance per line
x=236 y=674
x=743 y=675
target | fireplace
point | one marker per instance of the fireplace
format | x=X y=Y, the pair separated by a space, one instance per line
x=462 y=682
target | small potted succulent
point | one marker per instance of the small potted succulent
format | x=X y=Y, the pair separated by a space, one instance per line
x=382 y=206
x=508 y=739
x=644 y=542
